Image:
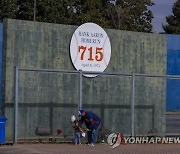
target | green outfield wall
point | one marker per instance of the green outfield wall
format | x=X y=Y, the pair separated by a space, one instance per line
x=28 y=44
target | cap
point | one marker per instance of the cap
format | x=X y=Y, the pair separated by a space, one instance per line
x=80 y=112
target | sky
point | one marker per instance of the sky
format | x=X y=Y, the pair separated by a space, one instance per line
x=161 y=9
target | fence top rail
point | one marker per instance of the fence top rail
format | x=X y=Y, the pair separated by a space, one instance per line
x=96 y=73
x=106 y=73
x=161 y=76
x=72 y=72
x=48 y=70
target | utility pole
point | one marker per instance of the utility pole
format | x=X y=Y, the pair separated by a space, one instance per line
x=34 y=10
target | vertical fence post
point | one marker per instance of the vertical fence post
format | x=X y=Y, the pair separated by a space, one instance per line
x=15 y=102
x=80 y=90
x=132 y=103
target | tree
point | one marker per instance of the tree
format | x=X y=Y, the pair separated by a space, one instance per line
x=8 y=9
x=74 y=12
x=173 y=26
x=131 y=15
x=91 y=11
x=52 y=11
x=119 y=14
x=25 y=9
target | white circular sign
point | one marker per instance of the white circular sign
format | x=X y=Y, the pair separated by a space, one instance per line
x=90 y=48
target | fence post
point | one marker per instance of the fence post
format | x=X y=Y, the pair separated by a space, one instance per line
x=132 y=103
x=15 y=103
x=80 y=90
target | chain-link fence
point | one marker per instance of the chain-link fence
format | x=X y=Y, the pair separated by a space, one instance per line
x=133 y=104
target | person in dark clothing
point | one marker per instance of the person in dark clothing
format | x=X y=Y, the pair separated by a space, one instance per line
x=92 y=122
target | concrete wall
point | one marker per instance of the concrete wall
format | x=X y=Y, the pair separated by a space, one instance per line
x=50 y=100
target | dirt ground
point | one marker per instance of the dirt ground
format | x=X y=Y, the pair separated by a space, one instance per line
x=63 y=148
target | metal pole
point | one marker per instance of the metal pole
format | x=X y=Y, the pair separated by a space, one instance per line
x=34 y=10
x=80 y=90
x=15 y=103
x=132 y=103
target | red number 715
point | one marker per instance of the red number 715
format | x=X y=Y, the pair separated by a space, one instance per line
x=98 y=55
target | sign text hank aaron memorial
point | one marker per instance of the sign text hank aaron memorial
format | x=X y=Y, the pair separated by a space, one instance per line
x=90 y=48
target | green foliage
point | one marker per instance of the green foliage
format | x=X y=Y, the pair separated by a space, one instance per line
x=124 y=14
x=51 y=11
x=25 y=9
x=173 y=26
x=8 y=9
x=91 y=11
x=133 y=15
